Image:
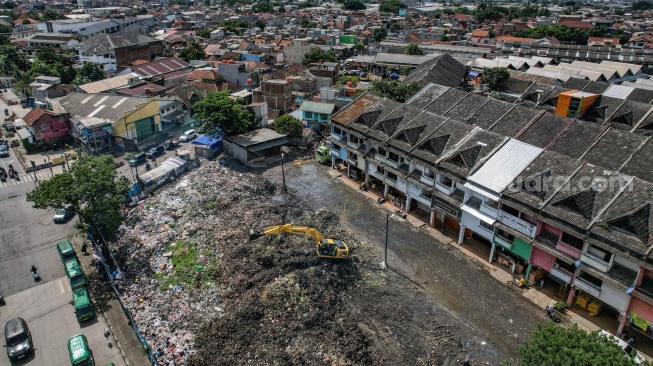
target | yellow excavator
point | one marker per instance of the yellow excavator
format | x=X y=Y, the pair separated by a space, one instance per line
x=326 y=248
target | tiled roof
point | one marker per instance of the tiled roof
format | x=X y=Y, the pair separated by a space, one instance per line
x=36 y=113
x=514 y=121
x=441 y=70
x=446 y=101
x=544 y=131
x=577 y=139
x=490 y=113
x=160 y=67
x=614 y=148
x=467 y=107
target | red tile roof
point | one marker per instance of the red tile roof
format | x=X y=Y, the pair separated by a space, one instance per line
x=35 y=114
x=576 y=24
x=351 y=112
x=160 y=67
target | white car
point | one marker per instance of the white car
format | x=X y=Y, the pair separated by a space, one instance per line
x=639 y=359
x=188 y=135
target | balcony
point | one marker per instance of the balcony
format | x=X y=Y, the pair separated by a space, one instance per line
x=518 y=224
x=489 y=210
x=338 y=137
x=474 y=202
x=353 y=162
x=428 y=179
x=548 y=238
x=378 y=175
x=504 y=242
x=380 y=158
x=566 y=248
x=354 y=144
x=443 y=188
x=587 y=286
x=335 y=152
x=392 y=163
x=595 y=262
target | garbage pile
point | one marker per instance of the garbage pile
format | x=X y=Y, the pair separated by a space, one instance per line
x=202 y=294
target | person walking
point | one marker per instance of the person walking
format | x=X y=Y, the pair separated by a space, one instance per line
x=84 y=247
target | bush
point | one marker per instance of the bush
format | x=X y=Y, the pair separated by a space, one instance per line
x=561 y=306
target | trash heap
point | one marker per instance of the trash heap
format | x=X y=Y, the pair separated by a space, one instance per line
x=201 y=294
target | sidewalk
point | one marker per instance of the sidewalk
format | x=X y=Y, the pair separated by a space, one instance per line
x=107 y=304
x=538 y=298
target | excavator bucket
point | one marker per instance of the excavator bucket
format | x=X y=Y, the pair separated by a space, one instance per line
x=253 y=234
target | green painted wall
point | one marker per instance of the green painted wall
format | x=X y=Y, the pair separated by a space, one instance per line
x=348 y=39
x=522 y=248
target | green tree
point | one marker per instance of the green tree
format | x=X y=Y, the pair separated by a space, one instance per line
x=318 y=55
x=90 y=72
x=51 y=14
x=220 y=111
x=233 y=25
x=413 y=49
x=360 y=46
x=391 y=6
x=354 y=5
x=5 y=29
x=288 y=125
x=204 y=32
x=261 y=24
x=642 y=5
x=26 y=22
x=12 y=59
x=92 y=187
x=495 y=76
x=262 y=8
x=40 y=68
x=4 y=40
x=391 y=89
x=48 y=55
x=193 y=51
x=551 y=344
x=619 y=12
x=379 y=34
x=66 y=73
x=9 y=5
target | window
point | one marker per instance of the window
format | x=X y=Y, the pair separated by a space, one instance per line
x=106 y=55
x=113 y=56
x=599 y=253
x=567 y=267
x=505 y=236
x=380 y=170
x=392 y=176
x=490 y=202
x=445 y=181
x=510 y=210
x=354 y=139
x=572 y=240
x=381 y=151
x=394 y=157
x=308 y=115
x=337 y=131
x=353 y=156
x=324 y=116
x=487 y=226
x=336 y=147
x=591 y=279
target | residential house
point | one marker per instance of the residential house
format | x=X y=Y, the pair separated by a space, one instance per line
x=127 y=122
x=294 y=53
x=47 y=126
x=277 y=93
x=45 y=87
x=316 y=114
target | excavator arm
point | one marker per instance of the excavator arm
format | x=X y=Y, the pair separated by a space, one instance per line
x=326 y=248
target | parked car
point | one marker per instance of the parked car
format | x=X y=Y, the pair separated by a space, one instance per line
x=18 y=339
x=4 y=151
x=155 y=151
x=188 y=135
x=137 y=160
x=63 y=214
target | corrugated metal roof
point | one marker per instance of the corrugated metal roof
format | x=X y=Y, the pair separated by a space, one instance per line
x=317 y=107
x=108 y=84
x=98 y=105
x=505 y=165
x=618 y=91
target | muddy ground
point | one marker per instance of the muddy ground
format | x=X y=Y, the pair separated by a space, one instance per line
x=271 y=302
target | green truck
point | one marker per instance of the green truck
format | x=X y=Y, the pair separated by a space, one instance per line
x=323 y=154
x=80 y=354
x=75 y=274
x=83 y=307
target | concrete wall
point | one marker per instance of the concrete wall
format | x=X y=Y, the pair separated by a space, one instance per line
x=125 y=127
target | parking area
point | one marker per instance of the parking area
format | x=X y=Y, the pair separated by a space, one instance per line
x=50 y=316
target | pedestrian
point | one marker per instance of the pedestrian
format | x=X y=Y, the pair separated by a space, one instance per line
x=84 y=247
x=542 y=283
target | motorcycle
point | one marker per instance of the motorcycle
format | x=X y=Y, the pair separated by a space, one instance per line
x=35 y=273
x=2 y=299
x=550 y=313
x=148 y=167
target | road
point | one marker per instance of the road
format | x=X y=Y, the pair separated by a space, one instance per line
x=28 y=236
x=493 y=309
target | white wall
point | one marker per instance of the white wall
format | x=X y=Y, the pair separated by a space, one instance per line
x=474 y=224
x=109 y=64
x=613 y=297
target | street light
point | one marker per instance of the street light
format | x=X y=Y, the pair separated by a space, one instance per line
x=283 y=173
x=384 y=264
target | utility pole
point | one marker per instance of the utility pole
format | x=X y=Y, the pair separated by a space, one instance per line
x=283 y=173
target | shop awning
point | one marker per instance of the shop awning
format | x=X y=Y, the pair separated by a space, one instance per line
x=482 y=191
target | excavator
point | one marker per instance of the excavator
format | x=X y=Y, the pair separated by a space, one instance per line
x=326 y=248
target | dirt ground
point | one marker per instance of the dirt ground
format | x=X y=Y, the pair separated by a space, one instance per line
x=201 y=293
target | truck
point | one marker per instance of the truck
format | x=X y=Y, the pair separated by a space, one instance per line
x=323 y=154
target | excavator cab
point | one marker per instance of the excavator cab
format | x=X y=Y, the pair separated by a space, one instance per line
x=333 y=249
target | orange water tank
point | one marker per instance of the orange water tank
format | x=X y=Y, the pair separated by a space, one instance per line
x=287 y=80
x=231 y=62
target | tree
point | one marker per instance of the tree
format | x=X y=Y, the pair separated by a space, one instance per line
x=5 y=29
x=551 y=344
x=391 y=6
x=414 y=49
x=262 y=8
x=4 y=40
x=40 y=68
x=379 y=34
x=193 y=51
x=48 y=55
x=494 y=76
x=204 y=32
x=354 y=5
x=89 y=72
x=642 y=5
x=220 y=111
x=360 y=46
x=51 y=14
x=26 y=22
x=318 y=55
x=399 y=92
x=261 y=24
x=288 y=125
x=12 y=59
x=619 y=12
x=9 y=5
x=94 y=190
x=233 y=25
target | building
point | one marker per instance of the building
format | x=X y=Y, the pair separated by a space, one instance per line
x=276 y=93
x=117 y=50
x=253 y=146
x=294 y=54
x=128 y=122
x=45 y=87
x=58 y=41
x=316 y=115
x=545 y=197
x=47 y=126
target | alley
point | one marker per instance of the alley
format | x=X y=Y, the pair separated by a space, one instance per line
x=496 y=310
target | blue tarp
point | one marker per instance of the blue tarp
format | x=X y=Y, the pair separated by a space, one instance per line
x=211 y=142
x=472 y=74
